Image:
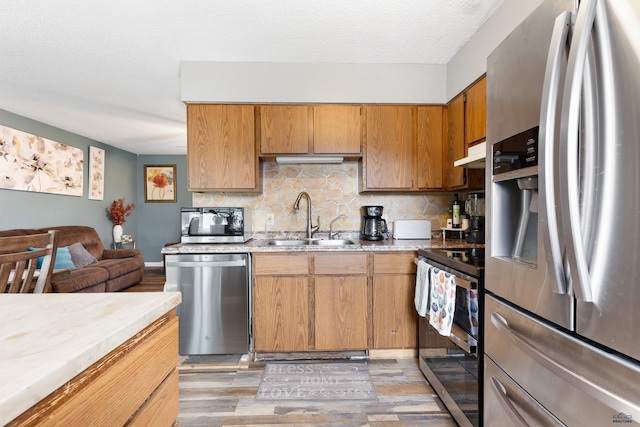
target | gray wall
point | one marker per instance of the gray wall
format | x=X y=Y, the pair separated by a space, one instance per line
x=24 y=209
x=159 y=223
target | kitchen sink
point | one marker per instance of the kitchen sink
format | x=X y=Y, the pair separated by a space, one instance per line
x=333 y=242
x=307 y=242
x=288 y=242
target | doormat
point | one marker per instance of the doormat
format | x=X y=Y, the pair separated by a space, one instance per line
x=316 y=382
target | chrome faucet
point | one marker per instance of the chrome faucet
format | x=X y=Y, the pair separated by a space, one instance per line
x=332 y=235
x=296 y=206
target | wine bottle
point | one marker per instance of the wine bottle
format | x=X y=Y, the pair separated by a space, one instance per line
x=456 y=211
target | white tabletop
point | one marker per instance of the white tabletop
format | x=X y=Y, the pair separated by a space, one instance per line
x=47 y=339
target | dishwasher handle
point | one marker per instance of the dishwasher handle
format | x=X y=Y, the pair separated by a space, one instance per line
x=203 y=264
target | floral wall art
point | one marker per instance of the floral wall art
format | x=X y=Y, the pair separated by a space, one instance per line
x=96 y=173
x=33 y=163
x=160 y=183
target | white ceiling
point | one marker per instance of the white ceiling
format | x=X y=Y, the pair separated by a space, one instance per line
x=109 y=70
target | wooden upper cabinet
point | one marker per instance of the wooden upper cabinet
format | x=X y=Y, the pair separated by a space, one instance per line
x=337 y=129
x=467 y=126
x=456 y=146
x=475 y=113
x=388 y=155
x=221 y=148
x=284 y=129
x=429 y=148
x=310 y=129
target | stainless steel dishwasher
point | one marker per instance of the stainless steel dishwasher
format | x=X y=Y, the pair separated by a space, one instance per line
x=214 y=315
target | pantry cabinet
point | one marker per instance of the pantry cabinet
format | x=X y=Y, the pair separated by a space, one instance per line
x=221 y=149
x=395 y=320
x=310 y=130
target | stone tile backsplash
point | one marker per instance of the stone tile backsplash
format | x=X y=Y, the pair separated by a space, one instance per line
x=333 y=189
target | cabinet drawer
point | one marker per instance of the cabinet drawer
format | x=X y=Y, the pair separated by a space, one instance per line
x=402 y=263
x=340 y=263
x=280 y=264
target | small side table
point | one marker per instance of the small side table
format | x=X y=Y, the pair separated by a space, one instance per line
x=125 y=245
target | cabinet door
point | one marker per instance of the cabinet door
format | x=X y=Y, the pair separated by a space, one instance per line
x=341 y=312
x=395 y=320
x=457 y=149
x=337 y=129
x=476 y=113
x=388 y=155
x=429 y=144
x=284 y=129
x=281 y=313
x=221 y=149
x=394 y=315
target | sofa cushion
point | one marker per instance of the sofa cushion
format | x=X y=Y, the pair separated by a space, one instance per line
x=80 y=256
x=63 y=259
x=118 y=267
x=80 y=278
x=122 y=282
x=70 y=234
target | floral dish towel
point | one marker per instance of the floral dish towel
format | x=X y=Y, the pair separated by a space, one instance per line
x=442 y=301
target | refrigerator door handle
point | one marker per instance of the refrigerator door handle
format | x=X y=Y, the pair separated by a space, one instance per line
x=548 y=113
x=569 y=150
x=580 y=382
x=501 y=392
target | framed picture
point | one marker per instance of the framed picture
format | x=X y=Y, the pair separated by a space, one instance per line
x=96 y=173
x=160 y=183
x=30 y=162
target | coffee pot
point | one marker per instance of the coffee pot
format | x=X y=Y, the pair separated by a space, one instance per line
x=373 y=226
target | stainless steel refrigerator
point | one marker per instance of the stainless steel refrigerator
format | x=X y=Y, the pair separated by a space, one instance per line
x=562 y=310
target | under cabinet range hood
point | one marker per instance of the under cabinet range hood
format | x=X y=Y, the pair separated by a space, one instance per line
x=476 y=157
x=309 y=159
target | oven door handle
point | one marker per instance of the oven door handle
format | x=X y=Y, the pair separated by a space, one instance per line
x=461 y=342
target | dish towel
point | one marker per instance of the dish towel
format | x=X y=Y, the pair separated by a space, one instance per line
x=421 y=299
x=443 y=301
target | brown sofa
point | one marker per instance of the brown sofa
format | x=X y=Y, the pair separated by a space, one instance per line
x=115 y=269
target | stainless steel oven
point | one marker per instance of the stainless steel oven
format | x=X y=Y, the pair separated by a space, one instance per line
x=455 y=372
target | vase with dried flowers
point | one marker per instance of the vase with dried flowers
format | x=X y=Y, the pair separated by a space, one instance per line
x=117 y=214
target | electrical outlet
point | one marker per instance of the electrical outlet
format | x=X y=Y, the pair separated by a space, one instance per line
x=270 y=219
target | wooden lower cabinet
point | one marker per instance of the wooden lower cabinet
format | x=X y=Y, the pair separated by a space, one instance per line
x=281 y=313
x=341 y=308
x=134 y=385
x=333 y=301
x=395 y=320
x=281 y=302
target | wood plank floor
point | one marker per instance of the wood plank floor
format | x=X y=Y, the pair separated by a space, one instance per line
x=223 y=394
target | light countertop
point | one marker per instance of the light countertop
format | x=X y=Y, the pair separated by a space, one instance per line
x=47 y=339
x=260 y=245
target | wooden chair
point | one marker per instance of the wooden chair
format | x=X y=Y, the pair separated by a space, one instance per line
x=18 y=270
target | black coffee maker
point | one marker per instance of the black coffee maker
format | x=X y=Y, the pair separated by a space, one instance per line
x=373 y=226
